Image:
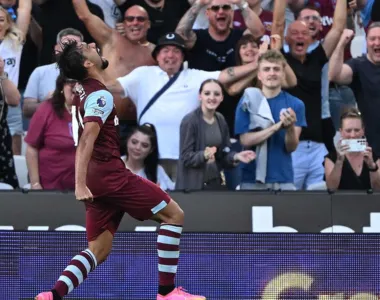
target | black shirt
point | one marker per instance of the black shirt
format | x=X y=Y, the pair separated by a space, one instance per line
x=365 y=85
x=163 y=20
x=210 y=55
x=308 y=89
x=57 y=15
x=349 y=180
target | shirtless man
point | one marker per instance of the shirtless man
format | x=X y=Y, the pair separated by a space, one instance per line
x=125 y=53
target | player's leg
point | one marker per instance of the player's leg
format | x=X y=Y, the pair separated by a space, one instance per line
x=144 y=200
x=101 y=224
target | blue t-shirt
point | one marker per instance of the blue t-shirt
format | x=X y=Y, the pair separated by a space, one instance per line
x=279 y=161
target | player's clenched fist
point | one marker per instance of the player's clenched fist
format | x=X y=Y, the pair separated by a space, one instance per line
x=83 y=194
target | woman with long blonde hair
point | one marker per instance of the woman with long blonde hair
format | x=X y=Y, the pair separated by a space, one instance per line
x=12 y=37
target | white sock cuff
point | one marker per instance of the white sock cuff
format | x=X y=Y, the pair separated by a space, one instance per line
x=88 y=251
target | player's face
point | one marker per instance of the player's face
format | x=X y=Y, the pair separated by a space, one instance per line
x=352 y=128
x=298 y=38
x=220 y=15
x=211 y=96
x=136 y=23
x=313 y=21
x=373 y=45
x=92 y=54
x=139 y=146
x=248 y=52
x=170 y=59
x=270 y=74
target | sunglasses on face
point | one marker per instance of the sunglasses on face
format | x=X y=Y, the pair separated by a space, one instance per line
x=216 y=8
x=139 y=19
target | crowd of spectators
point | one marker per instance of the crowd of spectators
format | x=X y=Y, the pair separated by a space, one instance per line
x=209 y=94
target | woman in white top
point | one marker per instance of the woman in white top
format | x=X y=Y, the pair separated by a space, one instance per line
x=12 y=38
x=142 y=156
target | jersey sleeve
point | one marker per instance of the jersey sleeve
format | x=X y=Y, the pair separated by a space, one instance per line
x=98 y=107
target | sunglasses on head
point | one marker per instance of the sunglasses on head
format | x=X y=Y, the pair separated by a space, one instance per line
x=140 y=19
x=224 y=7
x=350 y=114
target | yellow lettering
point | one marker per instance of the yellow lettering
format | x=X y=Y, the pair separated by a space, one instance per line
x=281 y=283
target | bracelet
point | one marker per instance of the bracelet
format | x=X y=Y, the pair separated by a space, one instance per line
x=374 y=169
x=36 y=183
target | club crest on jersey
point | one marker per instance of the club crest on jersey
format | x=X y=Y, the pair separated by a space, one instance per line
x=101 y=101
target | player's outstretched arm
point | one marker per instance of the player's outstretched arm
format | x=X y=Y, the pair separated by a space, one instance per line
x=84 y=151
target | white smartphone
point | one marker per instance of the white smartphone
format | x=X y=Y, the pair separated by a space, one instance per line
x=356 y=145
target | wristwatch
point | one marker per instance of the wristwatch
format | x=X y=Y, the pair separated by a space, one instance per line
x=374 y=169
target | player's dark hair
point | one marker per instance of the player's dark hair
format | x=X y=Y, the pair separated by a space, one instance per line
x=151 y=161
x=58 y=99
x=351 y=113
x=71 y=61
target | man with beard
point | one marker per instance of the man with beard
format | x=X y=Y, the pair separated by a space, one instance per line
x=125 y=52
x=107 y=188
x=309 y=156
x=362 y=74
x=212 y=49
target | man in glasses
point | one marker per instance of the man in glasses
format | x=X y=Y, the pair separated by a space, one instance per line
x=125 y=53
x=164 y=14
x=212 y=49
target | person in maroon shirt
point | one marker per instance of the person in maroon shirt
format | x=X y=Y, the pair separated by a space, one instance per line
x=106 y=187
x=265 y=16
x=50 y=152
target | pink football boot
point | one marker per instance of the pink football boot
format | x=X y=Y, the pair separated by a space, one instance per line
x=180 y=294
x=44 y=296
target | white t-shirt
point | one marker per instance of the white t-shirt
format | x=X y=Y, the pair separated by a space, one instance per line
x=41 y=82
x=163 y=179
x=12 y=58
x=167 y=112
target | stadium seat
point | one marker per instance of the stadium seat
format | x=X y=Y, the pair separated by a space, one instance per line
x=5 y=186
x=21 y=169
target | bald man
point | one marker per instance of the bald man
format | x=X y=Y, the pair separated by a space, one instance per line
x=125 y=53
x=307 y=60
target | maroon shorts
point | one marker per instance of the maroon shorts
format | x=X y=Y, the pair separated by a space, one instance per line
x=140 y=198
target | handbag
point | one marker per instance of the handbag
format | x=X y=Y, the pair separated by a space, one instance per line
x=158 y=94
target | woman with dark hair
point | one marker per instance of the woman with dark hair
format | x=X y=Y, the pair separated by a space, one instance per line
x=142 y=156
x=349 y=167
x=205 y=146
x=50 y=152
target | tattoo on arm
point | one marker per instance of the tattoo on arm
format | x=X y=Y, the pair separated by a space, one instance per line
x=231 y=71
x=185 y=26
